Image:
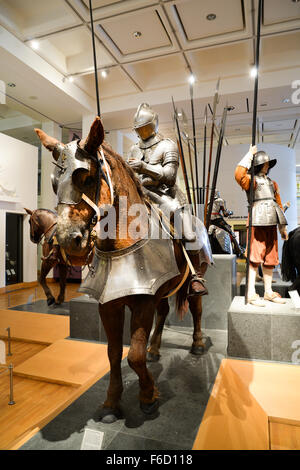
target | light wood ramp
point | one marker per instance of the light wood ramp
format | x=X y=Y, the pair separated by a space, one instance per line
x=32 y=327
x=253 y=405
x=66 y=362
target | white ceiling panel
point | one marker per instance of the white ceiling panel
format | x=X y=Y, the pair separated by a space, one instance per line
x=101 y=3
x=32 y=18
x=192 y=14
x=147 y=23
x=115 y=84
x=278 y=11
x=71 y=51
x=277 y=138
x=158 y=73
x=279 y=52
x=279 y=125
x=223 y=61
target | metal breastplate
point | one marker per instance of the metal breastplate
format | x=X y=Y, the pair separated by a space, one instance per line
x=215 y=213
x=265 y=208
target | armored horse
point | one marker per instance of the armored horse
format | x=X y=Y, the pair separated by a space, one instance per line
x=93 y=181
x=290 y=262
x=42 y=224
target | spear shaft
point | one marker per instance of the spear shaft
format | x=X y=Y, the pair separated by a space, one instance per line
x=254 y=123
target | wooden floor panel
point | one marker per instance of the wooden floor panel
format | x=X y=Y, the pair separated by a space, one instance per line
x=66 y=362
x=40 y=328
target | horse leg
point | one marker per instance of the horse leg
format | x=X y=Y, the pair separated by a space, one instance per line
x=63 y=271
x=155 y=342
x=195 y=304
x=143 y=310
x=45 y=268
x=113 y=322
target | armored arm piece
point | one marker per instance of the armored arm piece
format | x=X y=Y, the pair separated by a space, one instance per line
x=164 y=174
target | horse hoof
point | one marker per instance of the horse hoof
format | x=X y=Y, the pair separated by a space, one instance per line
x=152 y=357
x=149 y=408
x=50 y=301
x=197 y=350
x=109 y=415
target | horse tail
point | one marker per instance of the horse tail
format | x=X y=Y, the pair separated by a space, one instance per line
x=288 y=268
x=182 y=304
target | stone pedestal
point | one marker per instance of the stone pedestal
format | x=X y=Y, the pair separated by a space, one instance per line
x=266 y=333
x=221 y=284
x=85 y=322
x=278 y=286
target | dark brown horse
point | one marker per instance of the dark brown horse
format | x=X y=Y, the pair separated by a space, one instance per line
x=42 y=229
x=75 y=222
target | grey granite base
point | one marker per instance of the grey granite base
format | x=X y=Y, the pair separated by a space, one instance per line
x=278 y=286
x=221 y=284
x=85 y=322
x=266 y=333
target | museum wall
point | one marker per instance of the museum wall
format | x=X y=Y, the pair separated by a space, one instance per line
x=18 y=189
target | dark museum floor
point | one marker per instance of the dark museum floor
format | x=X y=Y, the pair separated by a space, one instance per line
x=184 y=382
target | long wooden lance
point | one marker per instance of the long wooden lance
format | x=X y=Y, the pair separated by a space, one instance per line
x=95 y=58
x=216 y=169
x=181 y=154
x=202 y=190
x=216 y=100
x=254 y=124
x=192 y=175
x=195 y=142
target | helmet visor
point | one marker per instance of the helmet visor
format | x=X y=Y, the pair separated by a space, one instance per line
x=145 y=132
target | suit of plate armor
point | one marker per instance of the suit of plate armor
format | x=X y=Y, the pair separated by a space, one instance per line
x=156 y=161
x=217 y=219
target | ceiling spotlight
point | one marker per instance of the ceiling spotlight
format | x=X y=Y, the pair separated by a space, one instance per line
x=104 y=73
x=71 y=79
x=137 y=34
x=179 y=114
x=11 y=84
x=192 y=79
x=253 y=72
x=35 y=45
x=211 y=17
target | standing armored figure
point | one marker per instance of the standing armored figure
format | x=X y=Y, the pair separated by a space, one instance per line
x=267 y=214
x=219 y=211
x=156 y=160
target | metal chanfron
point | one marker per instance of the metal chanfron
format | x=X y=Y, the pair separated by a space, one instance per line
x=142 y=269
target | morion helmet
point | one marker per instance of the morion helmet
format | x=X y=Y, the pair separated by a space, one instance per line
x=261 y=157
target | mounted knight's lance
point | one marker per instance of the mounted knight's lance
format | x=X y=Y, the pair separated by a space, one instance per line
x=194 y=139
x=95 y=58
x=217 y=163
x=254 y=123
x=216 y=100
x=181 y=154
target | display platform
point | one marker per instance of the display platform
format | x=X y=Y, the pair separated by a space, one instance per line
x=85 y=322
x=221 y=284
x=253 y=406
x=32 y=327
x=266 y=333
x=279 y=286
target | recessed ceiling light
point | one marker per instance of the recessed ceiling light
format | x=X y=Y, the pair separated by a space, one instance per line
x=35 y=45
x=71 y=79
x=192 y=79
x=137 y=34
x=104 y=73
x=211 y=17
x=11 y=84
x=253 y=72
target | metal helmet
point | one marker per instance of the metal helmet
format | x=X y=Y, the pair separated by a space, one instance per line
x=217 y=194
x=261 y=157
x=145 y=117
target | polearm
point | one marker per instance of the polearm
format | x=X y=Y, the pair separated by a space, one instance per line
x=216 y=100
x=95 y=58
x=192 y=175
x=181 y=154
x=254 y=122
x=202 y=190
x=195 y=142
x=216 y=169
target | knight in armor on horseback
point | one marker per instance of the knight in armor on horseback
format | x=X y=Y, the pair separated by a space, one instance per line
x=219 y=211
x=267 y=214
x=156 y=160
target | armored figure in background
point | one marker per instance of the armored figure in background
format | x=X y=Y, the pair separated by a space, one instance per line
x=219 y=211
x=267 y=214
x=156 y=160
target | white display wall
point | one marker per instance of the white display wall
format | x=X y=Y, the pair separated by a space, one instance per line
x=18 y=189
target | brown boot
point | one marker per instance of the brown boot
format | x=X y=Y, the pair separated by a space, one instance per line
x=196 y=285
